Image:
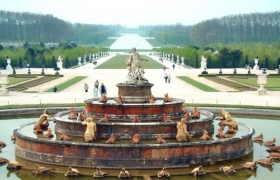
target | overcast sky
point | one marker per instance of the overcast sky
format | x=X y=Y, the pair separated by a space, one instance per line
x=132 y=13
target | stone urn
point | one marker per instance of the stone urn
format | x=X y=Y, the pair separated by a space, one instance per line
x=262 y=80
x=4 y=82
x=79 y=61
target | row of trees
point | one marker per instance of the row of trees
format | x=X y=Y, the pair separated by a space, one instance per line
x=23 y=27
x=29 y=27
x=38 y=56
x=230 y=56
x=255 y=27
x=173 y=34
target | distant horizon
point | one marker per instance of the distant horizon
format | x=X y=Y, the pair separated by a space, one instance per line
x=133 y=14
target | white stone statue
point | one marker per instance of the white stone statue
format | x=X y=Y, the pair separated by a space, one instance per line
x=79 y=61
x=182 y=63
x=85 y=60
x=203 y=64
x=178 y=60
x=135 y=72
x=59 y=62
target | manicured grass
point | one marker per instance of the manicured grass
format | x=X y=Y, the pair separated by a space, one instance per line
x=13 y=80
x=118 y=62
x=67 y=84
x=272 y=83
x=197 y=84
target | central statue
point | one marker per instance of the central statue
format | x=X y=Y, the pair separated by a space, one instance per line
x=135 y=72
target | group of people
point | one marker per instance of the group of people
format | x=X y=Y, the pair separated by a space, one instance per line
x=167 y=78
x=102 y=89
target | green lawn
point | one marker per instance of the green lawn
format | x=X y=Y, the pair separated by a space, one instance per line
x=197 y=84
x=13 y=80
x=272 y=83
x=67 y=84
x=118 y=62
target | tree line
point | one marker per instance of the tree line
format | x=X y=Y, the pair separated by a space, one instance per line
x=30 y=27
x=235 y=55
x=38 y=56
x=254 y=27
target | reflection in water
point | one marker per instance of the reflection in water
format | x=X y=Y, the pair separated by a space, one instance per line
x=263 y=172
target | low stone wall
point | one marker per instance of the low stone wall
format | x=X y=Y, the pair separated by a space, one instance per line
x=215 y=110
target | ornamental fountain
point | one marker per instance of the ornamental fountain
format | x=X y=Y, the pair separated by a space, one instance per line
x=156 y=117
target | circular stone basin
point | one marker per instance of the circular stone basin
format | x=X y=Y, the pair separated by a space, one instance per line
x=94 y=108
x=124 y=128
x=145 y=155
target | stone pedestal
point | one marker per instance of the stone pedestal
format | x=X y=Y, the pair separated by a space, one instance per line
x=134 y=93
x=4 y=82
x=59 y=65
x=262 y=80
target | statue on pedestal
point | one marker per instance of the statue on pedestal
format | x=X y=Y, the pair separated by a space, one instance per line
x=135 y=72
x=203 y=63
x=59 y=62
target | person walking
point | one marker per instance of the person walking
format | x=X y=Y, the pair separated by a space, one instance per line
x=54 y=89
x=173 y=66
x=86 y=87
x=169 y=78
x=164 y=68
x=165 y=78
x=96 y=83
x=103 y=90
x=95 y=92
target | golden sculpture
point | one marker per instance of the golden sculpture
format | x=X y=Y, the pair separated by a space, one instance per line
x=64 y=137
x=136 y=119
x=72 y=114
x=205 y=135
x=111 y=140
x=195 y=113
x=165 y=118
x=166 y=98
x=163 y=173
x=42 y=123
x=119 y=100
x=135 y=139
x=104 y=119
x=90 y=131
x=182 y=133
x=48 y=133
x=160 y=139
x=124 y=173
x=221 y=133
x=151 y=99
x=103 y=99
